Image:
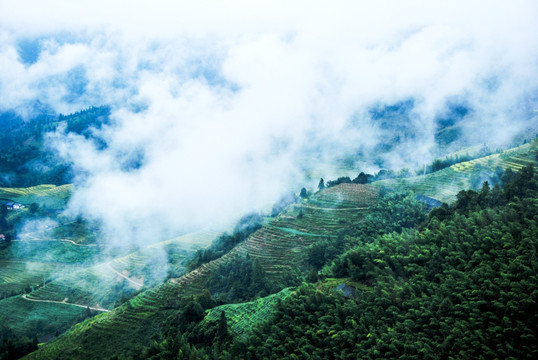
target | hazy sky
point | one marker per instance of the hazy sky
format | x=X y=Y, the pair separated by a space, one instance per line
x=219 y=99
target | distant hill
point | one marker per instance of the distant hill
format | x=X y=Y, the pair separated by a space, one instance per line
x=445 y=184
x=24 y=159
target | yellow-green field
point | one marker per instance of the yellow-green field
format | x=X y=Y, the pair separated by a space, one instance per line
x=243 y=317
x=444 y=185
x=46 y=196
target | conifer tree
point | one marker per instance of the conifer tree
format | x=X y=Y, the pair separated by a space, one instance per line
x=321 y=184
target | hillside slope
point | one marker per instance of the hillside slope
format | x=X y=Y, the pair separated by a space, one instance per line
x=444 y=185
x=278 y=246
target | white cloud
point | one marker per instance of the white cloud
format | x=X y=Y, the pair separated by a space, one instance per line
x=234 y=92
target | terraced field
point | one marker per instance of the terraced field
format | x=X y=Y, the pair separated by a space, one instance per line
x=62 y=302
x=444 y=185
x=50 y=250
x=101 y=285
x=279 y=246
x=46 y=196
x=243 y=317
x=94 y=287
x=16 y=276
x=136 y=319
x=515 y=159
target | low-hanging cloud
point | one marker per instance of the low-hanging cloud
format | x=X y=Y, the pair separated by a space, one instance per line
x=217 y=109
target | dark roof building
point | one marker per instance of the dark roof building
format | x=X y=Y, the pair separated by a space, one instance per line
x=431 y=203
x=11 y=205
x=348 y=291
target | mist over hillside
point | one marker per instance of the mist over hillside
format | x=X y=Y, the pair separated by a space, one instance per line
x=252 y=180
x=214 y=113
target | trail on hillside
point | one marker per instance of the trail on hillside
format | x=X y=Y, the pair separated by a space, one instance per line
x=66 y=303
x=136 y=283
x=297 y=232
x=31 y=236
x=334 y=209
x=28 y=238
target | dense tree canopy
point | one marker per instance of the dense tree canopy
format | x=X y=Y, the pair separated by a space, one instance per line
x=462 y=285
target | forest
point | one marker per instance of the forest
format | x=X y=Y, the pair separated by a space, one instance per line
x=460 y=284
x=26 y=159
x=457 y=282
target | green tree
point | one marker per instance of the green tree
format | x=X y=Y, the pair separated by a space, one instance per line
x=223 y=334
x=363 y=178
x=33 y=208
x=321 y=184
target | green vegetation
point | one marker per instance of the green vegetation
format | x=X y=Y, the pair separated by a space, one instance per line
x=449 y=284
x=459 y=285
x=463 y=286
x=45 y=196
x=247 y=225
x=243 y=317
x=111 y=282
x=276 y=259
x=17 y=277
x=28 y=318
x=13 y=347
x=24 y=158
x=60 y=268
x=445 y=184
x=241 y=279
x=49 y=250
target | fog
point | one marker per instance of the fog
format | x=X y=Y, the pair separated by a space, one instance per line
x=217 y=110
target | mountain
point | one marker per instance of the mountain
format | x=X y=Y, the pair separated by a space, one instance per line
x=381 y=247
x=360 y=268
x=26 y=158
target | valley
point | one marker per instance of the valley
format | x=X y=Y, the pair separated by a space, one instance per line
x=278 y=251
x=66 y=286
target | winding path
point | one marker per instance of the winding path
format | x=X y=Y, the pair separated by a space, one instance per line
x=66 y=303
x=136 y=283
x=52 y=240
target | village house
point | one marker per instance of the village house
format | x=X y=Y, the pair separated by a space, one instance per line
x=11 y=205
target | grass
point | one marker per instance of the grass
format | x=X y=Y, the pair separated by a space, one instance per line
x=49 y=250
x=198 y=239
x=43 y=255
x=128 y=324
x=84 y=287
x=103 y=284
